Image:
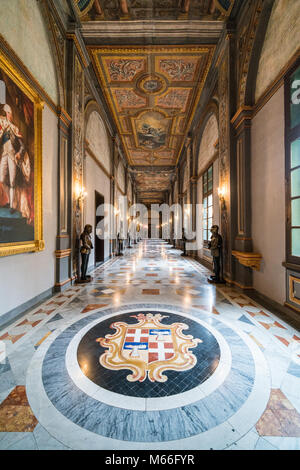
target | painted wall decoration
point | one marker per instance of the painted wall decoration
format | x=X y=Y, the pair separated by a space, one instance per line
x=20 y=164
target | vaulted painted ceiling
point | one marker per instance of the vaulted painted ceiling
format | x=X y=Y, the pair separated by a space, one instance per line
x=152 y=93
x=152 y=89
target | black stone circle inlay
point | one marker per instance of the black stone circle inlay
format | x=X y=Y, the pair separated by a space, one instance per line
x=207 y=354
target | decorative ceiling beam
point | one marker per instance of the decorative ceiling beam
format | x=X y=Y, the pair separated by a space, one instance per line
x=208 y=31
x=152 y=169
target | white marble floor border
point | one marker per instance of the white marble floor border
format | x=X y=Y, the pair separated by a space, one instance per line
x=219 y=437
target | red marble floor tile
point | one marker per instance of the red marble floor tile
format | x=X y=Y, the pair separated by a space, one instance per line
x=91 y=307
x=24 y=322
x=246 y=305
x=15 y=338
x=266 y=325
x=39 y=311
x=16 y=414
x=280 y=417
x=283 y=340
x=5 y=336
x=48 y=312
x=279 y=325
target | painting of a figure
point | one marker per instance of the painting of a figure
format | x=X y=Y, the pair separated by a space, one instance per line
x=17 y=135
x=152 y=130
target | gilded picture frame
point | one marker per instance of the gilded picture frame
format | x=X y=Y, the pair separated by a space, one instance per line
x=21 y=108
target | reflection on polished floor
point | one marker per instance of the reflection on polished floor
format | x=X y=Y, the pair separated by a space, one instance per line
x=149 y=355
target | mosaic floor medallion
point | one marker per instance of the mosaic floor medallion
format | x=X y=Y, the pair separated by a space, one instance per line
x=165 y=353
x=147 y=373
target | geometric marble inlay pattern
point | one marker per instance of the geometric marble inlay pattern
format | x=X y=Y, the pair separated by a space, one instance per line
x=241 y=390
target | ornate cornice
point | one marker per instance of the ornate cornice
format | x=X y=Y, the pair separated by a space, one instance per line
x=242 y=117
x=64 y=116
x=207 y=30
x=79 y=48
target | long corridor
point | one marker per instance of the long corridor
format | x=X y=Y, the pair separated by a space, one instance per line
x=149 y=355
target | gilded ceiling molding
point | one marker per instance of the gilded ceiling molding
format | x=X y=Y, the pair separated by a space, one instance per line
x=73 y=37
x=138 y=99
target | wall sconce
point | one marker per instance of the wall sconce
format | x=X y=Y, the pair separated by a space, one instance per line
x=221 y=194
x=80 y=193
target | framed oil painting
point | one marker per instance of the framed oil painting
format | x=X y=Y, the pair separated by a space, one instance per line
x=20 y=163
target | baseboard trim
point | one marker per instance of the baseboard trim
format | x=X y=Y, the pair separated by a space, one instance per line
x=16 y=313
x=283 y=311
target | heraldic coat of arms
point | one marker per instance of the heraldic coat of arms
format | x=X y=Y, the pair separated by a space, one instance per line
x=148 y=348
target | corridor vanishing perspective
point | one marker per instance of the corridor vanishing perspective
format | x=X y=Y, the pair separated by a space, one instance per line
x=149 y=227
x=149 y=355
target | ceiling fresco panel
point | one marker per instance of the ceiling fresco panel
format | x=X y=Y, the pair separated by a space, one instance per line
x=152 y=92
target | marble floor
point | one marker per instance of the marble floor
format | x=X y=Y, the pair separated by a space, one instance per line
x=149 y=355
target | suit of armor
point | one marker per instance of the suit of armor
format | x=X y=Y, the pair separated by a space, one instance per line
x=85 y=250
x=215 y=246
